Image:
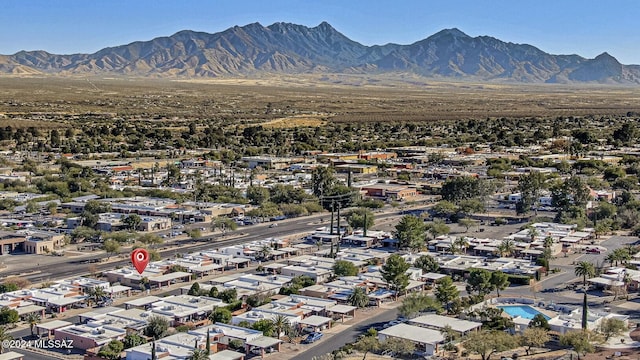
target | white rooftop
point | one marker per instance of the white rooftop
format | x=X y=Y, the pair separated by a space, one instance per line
x=439 y=322
x=413 y=333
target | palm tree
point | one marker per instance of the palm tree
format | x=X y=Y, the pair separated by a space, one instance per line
x=548 y=242
x=96 y=294
x=586 y=270
x=198 y=354
x=533 y=232
x=265 y=252
x=453 y=249
x=507 y=247
x=622 y=255
x=461 y=243
x=4 y=335
x=358 y=297
x=280 y=322
x=32 y=319
x=611 y=258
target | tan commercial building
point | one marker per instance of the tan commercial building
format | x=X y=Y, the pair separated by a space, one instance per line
x=42 y=242
x=10 y=242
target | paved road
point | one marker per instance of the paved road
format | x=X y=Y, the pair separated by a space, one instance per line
x=559 y=281
x=326 y=346
x=80 y=267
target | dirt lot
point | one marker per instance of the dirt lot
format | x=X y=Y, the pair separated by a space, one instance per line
x=345 y=98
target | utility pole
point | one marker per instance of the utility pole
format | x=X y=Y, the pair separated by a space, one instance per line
x=333 y=203
x=339 y=232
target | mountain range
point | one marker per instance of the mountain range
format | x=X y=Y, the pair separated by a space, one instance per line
x=288 y=48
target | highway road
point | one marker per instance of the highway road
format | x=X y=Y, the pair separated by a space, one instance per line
x=244 y=234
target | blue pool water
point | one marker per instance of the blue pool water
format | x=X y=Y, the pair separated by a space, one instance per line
x=524 y=311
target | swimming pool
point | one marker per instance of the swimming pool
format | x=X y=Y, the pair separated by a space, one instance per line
x=524 y=311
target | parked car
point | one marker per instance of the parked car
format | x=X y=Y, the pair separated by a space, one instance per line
x=311 y=338
x=392 y=323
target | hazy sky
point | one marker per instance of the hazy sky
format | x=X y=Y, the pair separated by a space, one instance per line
x=583 y=27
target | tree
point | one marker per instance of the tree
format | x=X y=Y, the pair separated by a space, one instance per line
x=265 y=325
x=461 y=244
x=626 y=134
x=52 y=207
x=611 y=327
x=410 y=232
x=198 y=354
x=96 y=207
x=467 y=223
x=506 y=247
x=460 y=188
x=257 y=195
x=367 y=344
x=418 y=302
x=358 y=297
x=534 y=337
x=394 y=272
x=112 y=247
x=265 y=211
x=529 y=186
x=132 y=340
x=8 y=316
x=264 y=252
x=586 y=270
x=448 y=333
x=220 y=315
x=487 y=342
x=400 y=347
x=572 y=191
x=479 y=280
x=437 y=228
x=112 y=351
x=344 y=268
x=470 y=206
x=444 y=209
x=360 y=218
x=280 y=323
x=427 y=264
x=223 y=223
x=446 y=291
x=132 y=221
x=32 y=207
x=322 y=180
x=32 y=319
x=580 y=341
x=84 y=233
x=194 y=290
x=150 y=239
x=4 y=335
x=194 y=233
x=95 y=294
x=229 y=295
x=539 y=321
x=8 y=287
x=499 y=281
x=17 y=281
x=157 y=327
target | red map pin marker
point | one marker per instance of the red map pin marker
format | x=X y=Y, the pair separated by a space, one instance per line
x=140 y=259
